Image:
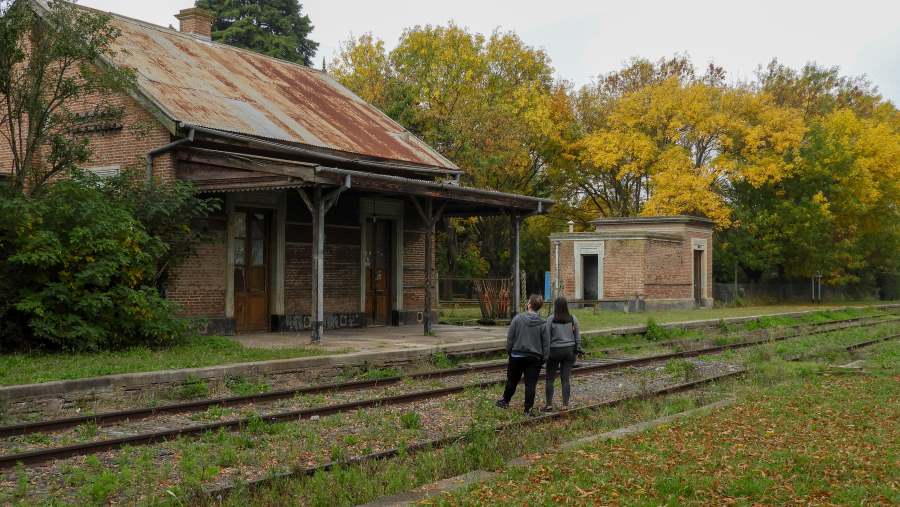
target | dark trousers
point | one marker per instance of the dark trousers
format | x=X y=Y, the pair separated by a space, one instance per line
x=561 y=359
x=518 y=366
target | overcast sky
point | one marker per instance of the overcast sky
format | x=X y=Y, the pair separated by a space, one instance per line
x=588 y=37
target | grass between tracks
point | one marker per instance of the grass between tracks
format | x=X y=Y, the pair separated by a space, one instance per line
x=140 y=476
x=772 y=382
x=823 y=439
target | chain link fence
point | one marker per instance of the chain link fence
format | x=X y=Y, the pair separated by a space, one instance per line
x=792 y=291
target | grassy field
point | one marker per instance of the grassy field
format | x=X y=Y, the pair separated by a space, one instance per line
x=816 y=440
x=195 y=352
x=590 y=320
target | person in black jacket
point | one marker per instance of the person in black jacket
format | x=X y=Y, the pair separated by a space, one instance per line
x=528 y=346
x=565 y=344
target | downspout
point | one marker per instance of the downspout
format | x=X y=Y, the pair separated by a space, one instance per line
x=556 y=282
x=163 y=149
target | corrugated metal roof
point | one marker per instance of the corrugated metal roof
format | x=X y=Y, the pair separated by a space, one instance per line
x=221 y=87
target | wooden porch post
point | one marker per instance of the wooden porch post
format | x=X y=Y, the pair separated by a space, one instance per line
x=429 y=267
x=517 y=279
x=318 y=207
x=430 y=218
x=317 y=313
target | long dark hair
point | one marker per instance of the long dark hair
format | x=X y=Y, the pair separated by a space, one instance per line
x=561 y=311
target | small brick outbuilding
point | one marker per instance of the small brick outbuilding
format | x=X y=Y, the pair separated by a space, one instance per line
x=635 y=263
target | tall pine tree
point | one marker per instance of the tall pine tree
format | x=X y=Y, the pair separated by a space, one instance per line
x=274 y=27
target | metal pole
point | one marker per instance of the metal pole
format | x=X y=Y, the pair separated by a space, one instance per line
x=556 y=281
x=517 y=287
x=429 y=268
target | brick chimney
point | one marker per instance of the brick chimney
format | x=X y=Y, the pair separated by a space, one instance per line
x=197 y=22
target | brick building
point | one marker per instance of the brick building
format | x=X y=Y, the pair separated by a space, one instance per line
x=653 y=262
x=329 y=207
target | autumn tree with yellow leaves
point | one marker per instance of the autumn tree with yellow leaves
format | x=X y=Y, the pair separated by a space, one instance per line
x=800 y=170
x=489 y=103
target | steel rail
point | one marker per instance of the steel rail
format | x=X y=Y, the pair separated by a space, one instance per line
x=196 y=405
x=870 y=343
x=851 y=348
x=44 y=455
x=220 y=492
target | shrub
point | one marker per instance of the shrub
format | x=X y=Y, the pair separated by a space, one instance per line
x=441 y=360
x=681 y=369
x=168 y=211
x=655 y=332
x=193 y=387
x=77 y=272
x=411 y=420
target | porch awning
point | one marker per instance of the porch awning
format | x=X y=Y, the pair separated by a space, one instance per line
x=213 y=170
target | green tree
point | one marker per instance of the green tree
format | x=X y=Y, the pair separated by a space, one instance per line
x=836 y=210
x=275 y=27
x=77 y=272
x=48 y=64
x=170 y=212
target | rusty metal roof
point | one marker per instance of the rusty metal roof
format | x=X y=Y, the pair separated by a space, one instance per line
x=217 y=86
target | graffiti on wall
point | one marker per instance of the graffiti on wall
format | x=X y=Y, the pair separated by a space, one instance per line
x=299 y=322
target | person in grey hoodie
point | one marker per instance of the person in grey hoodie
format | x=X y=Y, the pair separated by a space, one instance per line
x=528 y=346
x=565 y=344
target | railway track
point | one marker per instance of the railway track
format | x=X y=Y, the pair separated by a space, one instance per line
x=220 y=492
x=500 y=350
x=231 y=401
x=48 y=454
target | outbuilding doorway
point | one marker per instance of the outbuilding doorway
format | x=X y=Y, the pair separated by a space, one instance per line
x=698 y=277
x=589 y=267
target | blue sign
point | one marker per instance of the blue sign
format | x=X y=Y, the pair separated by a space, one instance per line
x=548 y=295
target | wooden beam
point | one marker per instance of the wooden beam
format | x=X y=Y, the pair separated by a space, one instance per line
x=247 y=163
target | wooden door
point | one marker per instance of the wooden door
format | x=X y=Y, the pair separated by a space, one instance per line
x=251 y=270
x=698 y=277
x=379 y=275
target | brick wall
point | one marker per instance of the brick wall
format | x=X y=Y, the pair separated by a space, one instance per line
x=566 y=267
x=342 y=274
x=623 y=268
x=198 y=284
x=127 y=147
x=667 y=271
